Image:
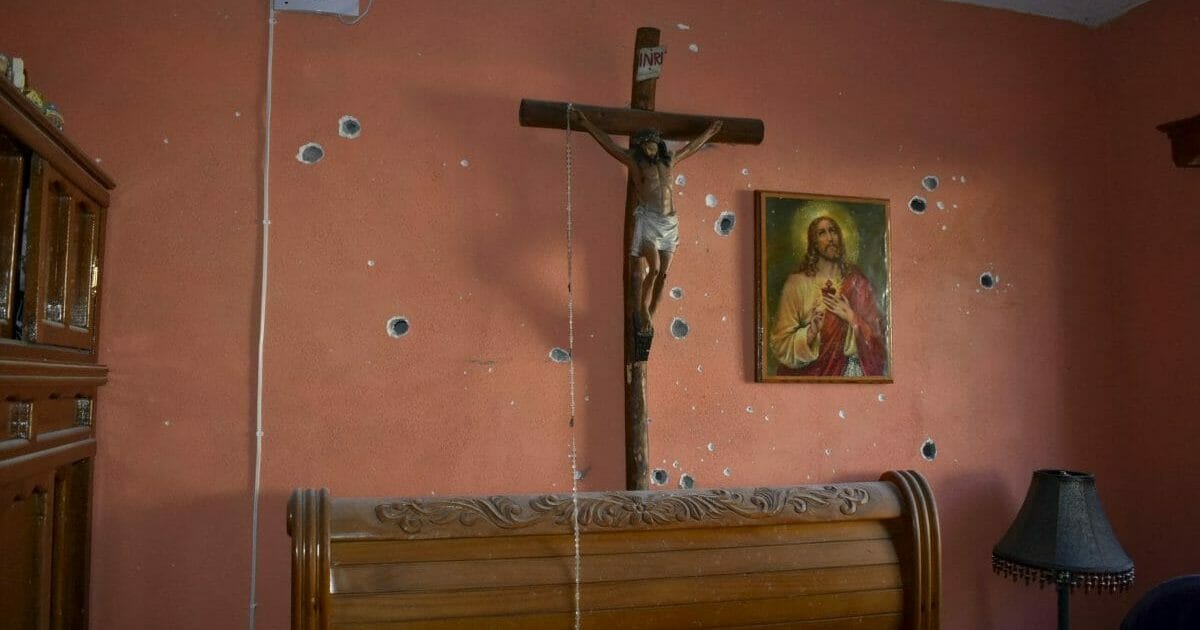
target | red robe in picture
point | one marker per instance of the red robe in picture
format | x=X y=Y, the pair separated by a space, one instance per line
x=839 y=348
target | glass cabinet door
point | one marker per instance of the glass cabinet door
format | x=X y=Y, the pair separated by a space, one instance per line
x=62 y=262
x=13 y=160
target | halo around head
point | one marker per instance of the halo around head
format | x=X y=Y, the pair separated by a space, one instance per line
x=810 y=210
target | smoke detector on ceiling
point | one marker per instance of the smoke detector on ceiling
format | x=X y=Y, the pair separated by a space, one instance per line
x=327 y=7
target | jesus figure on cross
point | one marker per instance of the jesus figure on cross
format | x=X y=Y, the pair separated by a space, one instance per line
x=656 y=225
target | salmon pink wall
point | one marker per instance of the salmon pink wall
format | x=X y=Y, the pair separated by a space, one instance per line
x=1147 y=456
x=446 y=211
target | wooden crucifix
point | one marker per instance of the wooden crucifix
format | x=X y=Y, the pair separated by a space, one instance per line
x=628 y=122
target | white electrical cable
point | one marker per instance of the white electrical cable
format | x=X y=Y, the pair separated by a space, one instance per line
x=571 y=372
x=262 y=318
x=360 y=15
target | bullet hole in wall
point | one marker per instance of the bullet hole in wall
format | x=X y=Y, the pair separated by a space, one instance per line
x=679 y=328
x=724 y=224
x=929 y=449
x=310 y=153
x=987 y=280
x=397 y=326
x=930 y=182
x=686 y=482
x=558 y=355
x=349 y=127
x=917 y=204
x=659 y=476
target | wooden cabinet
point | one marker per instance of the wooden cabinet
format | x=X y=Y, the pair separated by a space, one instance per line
x=53 y=204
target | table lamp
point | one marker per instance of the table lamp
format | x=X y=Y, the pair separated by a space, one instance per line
x=1061 y=536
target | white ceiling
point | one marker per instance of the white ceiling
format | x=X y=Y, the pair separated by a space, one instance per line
x=1086 y=12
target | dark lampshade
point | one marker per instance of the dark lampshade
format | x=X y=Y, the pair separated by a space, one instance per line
x=1062 y=536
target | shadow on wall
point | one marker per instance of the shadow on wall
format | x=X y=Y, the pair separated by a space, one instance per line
x=185 y=556
x=512 y=250
x=274 y=562
x=511 y=201
x=744 y=266
x=975 y=510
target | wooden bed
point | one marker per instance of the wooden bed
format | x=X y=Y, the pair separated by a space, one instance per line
x=852 y=555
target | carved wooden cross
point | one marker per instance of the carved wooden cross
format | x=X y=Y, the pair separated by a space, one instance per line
x=626 y=122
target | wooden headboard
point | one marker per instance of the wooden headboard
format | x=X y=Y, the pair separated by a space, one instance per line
x=850 y=555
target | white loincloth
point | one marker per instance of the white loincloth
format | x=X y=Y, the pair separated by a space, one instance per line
x=654 y=228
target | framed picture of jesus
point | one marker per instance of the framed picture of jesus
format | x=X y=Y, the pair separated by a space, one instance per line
x=822 y=288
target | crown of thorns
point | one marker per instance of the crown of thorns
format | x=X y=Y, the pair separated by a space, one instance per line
x=647 y=135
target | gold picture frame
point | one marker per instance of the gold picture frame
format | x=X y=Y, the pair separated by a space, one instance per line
x=822 y=288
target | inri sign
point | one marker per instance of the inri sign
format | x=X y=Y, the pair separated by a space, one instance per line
x=649 y=62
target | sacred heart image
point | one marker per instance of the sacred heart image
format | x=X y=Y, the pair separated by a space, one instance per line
x=823 y=308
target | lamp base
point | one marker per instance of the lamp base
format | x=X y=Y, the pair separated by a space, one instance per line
x=1064 y=606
